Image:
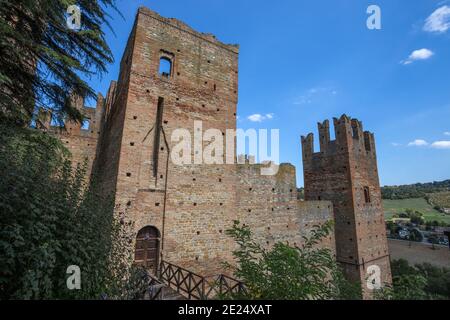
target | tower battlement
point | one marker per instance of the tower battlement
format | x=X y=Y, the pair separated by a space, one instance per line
x=182 y=26
x=345 y=172
x=350 y=136
x=172 y=76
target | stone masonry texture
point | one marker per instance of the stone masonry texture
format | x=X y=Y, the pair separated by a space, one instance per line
x=128 y=149
x=345 y=172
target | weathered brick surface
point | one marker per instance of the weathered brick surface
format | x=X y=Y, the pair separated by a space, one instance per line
x=339 y=173
x=82 y=143
x=129 y=148
x=191 y=205
x=269 y=205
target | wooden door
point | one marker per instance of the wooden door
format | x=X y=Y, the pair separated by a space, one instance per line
x=147 y=248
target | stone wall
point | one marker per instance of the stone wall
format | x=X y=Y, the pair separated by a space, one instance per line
x=80 y=140
x=345 y=173
x=192 y=205
x=269 y=206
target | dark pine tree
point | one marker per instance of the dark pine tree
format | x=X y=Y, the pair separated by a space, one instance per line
x=42 y=60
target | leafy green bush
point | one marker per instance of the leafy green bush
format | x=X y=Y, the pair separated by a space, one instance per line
x=285 y=272
x=415 y=235
x=419 y=282
x=415 y=216
x=50 y=219
x=405 y=287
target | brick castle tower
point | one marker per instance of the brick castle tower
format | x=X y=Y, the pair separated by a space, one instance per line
x=345 y=173
x=173 y=77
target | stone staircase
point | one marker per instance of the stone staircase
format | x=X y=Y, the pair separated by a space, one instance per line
x=157 y=290
x=163 y=292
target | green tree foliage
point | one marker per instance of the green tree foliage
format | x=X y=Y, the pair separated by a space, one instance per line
x=42 y=61
x=392 y=227
x=286 y=272
x=50 y=219
x=438 y=280
x=406 y=287
x=439 y=200
x=419 y=282
x=415 y=216
x=415 y=235
x=418 y=190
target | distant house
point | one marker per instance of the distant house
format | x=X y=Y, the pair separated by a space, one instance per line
x=401 y=221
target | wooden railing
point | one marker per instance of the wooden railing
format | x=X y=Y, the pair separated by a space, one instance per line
x=155 y=288
x=223 y=286
x=182 y=280
x=194 y=286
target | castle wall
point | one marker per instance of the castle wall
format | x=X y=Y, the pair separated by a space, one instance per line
x=345 y=173
x=106 y=165
x=187 y=203
x=81 y=142
x=269 y=206
x=129 y=142
x=192 y=205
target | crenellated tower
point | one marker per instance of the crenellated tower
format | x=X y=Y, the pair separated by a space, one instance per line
x=345 y=172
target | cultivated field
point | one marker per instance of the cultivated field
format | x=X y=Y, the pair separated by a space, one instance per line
x=392 y=207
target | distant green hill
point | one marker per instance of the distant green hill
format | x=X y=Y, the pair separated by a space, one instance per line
x=418 y=190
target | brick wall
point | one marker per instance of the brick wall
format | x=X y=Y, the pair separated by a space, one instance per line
x=191 y=205
x=81 y=140
x=345 y=173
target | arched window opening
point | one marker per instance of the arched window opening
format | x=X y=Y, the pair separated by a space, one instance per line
x=165 y=67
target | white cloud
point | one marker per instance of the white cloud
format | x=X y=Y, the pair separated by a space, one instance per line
x=255 y=117
x=447 y=133
x=418 y=143
x=416 y=55
x=314 y=94
x=438 y=21
x=259 y=117
x=441 y=145
x=395 y=144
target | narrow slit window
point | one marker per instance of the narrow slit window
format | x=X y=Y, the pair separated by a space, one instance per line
x=367 y=194
x=156 y=144
x=165 y=67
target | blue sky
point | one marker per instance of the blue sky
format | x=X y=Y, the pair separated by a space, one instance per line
x=305 y=61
